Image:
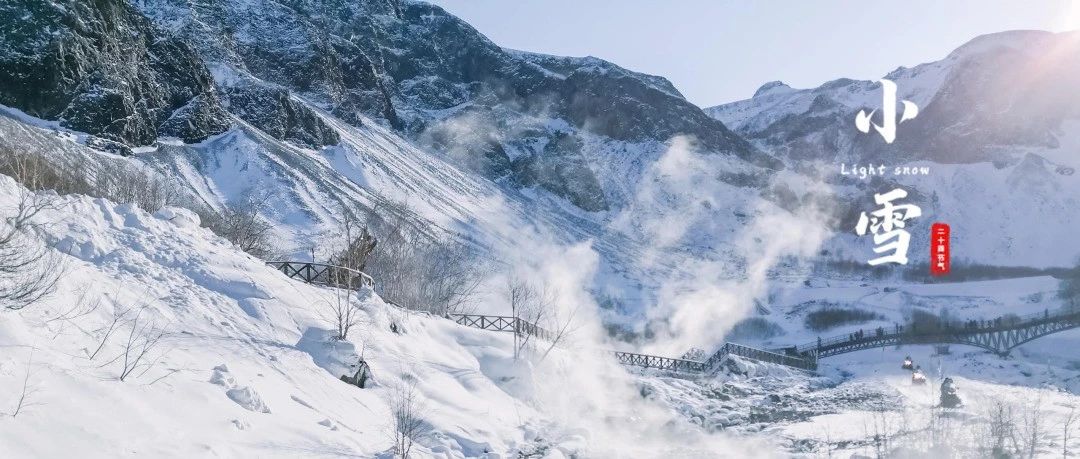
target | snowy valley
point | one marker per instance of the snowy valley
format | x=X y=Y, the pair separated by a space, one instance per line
x=173 y=148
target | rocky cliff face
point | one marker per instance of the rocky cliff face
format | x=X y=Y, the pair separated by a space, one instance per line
x=504 y=114
x=135 y=70
x=100 y=67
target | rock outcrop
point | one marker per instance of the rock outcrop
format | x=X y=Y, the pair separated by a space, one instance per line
x=102 y=68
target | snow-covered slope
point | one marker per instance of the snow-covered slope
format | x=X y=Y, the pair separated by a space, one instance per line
x=331 y=105
x=678 y=221
x=248 y=366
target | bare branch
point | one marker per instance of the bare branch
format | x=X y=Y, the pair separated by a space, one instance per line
x=407 y=414
x=29 y=271
x=243 y=223
x=28 y=389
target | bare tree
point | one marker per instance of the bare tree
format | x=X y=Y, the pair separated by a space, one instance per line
x=450 y=276
x=139 y=349
x=418 y=270
x=353 y=247
x=344 y=312
x=1000 y=427
x=529 y=305
x=356 y=242
x=561 y=326
x=1031 y=428
x=407 y=411
x=28 y=269
x=119 y=318
x=1066 y=431
x=29 y=389
x=243 y=223
x=536 y=311
x=521 y=296
x=79 y=308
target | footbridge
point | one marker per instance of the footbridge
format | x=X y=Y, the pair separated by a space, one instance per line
x=342 y=277
x=681 y=365
x=999 y=335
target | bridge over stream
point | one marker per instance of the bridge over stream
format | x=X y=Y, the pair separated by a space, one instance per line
x=998 y=335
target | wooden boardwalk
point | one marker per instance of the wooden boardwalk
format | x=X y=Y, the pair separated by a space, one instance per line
x=999 y=335
x=341 y=277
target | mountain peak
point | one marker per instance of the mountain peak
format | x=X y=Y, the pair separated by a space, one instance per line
x=1019 y=39
x=771 y=87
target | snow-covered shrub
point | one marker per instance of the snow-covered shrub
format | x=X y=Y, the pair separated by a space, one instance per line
x=243 y=223
x=1069 y=288
x=754 y=328
x=124 y=182
x=118 y=180
x=28 y=269
x=832 y=316
x=421 y=271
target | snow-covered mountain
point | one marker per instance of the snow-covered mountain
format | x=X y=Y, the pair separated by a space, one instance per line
x=329 y=105
x=408 y=65
x=997 y=128
x=640 y=209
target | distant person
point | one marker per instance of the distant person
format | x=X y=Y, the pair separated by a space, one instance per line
x=917 y=377
x=950 y=397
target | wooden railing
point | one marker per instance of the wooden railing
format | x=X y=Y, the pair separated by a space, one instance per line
x=502 y=323
x=682 y=365
x=662 y=363
x=341 y=277
x=998 y=335
x=324 y=274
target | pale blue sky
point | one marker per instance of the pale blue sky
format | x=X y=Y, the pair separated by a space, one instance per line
x=717 y=51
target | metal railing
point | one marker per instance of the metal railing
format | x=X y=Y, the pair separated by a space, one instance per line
x=682 y=365
x=800 y=362
x=998 y=335
x=663 y=363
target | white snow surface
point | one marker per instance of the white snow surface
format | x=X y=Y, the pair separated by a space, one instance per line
x=249 y=369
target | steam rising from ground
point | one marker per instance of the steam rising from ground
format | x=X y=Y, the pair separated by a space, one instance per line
x=593 y=402
x=578 y=385
x=682 y=202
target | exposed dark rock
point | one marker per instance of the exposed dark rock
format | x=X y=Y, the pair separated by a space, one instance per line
x=110 y=146
x=104 y=68
x=562 y=171
x=274 y=112
x=202 y=116
x=101 y=68
x=425 y=72
x=471 y=140
x=360 y=378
